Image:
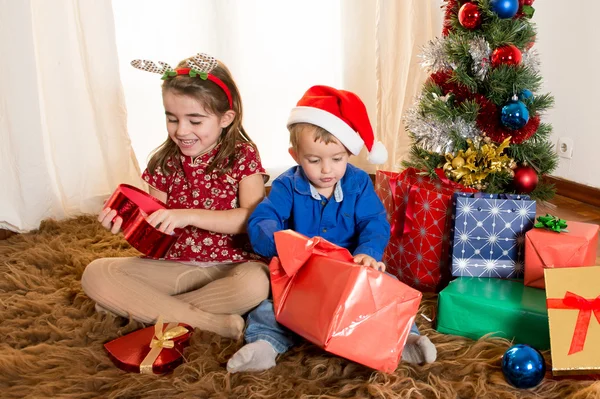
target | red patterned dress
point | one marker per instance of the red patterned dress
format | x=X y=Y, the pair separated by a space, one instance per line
x=189 y=187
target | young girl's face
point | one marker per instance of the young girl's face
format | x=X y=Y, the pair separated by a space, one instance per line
x=194 y=129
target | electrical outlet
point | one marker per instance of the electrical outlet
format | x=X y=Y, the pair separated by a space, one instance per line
x=564 y=147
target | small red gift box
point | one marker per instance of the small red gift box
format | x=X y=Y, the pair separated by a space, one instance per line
x=548 y=249
x=419 y=210
x=134 y=205
x=152 y=350
x=353 y=311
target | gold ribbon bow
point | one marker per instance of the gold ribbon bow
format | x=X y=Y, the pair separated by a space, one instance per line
x=159 y=341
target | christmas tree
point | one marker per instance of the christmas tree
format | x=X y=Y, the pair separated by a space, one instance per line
x=478 y=115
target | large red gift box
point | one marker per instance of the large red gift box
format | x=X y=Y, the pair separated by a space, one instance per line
x=153 y=350
x=353 y=311
x=546 y=249
x=419 y=209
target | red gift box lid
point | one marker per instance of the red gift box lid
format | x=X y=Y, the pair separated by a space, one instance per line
x=129 y=351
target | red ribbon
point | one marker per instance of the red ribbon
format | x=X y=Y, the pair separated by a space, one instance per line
x=392 y=181
x=408 y=218
x=585 y=307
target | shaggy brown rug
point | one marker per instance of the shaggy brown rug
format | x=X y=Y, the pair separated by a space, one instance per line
x=52 y=343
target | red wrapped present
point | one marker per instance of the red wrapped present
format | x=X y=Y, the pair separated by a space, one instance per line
x=152 y=350
x=134 y=205
x=353 y=311
x=419 y=210
x=549 y=249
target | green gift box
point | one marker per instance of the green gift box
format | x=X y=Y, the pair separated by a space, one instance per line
x=473 y=307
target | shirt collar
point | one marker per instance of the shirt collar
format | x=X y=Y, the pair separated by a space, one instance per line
x=348 y=182
x=205 y=158
x=338 y=194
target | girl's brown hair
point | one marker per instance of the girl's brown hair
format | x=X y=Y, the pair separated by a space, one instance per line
x=214 y=100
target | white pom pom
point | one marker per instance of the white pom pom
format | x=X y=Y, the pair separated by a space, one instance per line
x=378 y=153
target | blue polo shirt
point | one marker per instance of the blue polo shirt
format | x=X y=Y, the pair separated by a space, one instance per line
x=353 y=218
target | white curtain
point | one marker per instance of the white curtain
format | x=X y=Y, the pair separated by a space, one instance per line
x=63 y=140
x=369 y=47
x=402 y=28
x=381 y=41
x=275 y=50
x=64 y=128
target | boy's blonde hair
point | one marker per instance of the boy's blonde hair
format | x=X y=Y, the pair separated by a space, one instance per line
x=319 y=134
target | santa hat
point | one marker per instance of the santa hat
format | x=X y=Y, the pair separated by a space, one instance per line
x=343 y=115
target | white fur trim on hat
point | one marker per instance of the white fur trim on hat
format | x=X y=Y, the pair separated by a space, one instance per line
x=334 y=125
x=378 y=153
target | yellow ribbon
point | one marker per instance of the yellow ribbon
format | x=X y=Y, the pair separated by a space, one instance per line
x=159 y=341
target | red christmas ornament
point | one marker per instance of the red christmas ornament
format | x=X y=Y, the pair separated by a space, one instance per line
x=525 y=180
x=528 y=2
x=508 y=55
x=469 y=16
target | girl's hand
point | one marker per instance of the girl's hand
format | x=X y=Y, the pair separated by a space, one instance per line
x=167 y=220
x=106 y=216
x=366 y=260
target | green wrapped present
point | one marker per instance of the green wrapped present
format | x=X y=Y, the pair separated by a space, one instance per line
x=473 y=307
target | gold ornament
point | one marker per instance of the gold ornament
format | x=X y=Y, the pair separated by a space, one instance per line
x=472 y=166
x=458 y=162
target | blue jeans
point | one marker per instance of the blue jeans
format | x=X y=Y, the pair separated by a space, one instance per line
x=262 y=325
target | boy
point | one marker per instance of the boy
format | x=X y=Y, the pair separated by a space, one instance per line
x=322 y=196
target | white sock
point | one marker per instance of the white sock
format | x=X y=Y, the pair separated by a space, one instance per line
x=256 y=356
x=419 y=350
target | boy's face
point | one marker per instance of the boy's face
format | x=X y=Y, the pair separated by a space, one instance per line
x=323 y=164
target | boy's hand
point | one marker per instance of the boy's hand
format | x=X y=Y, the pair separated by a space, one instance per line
x=366 y=260
x=167 y=220
x=106 y=216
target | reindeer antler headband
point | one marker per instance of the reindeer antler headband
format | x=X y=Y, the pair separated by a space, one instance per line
x=199 y=66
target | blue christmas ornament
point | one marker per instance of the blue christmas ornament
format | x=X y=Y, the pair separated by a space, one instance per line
x=525 y=95
x=515 y=114
x=523 y=366
x=505 y=8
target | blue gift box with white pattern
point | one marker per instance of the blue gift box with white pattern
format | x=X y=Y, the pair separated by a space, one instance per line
x=488 y=234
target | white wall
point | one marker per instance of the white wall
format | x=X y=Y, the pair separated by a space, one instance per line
x=570 y=57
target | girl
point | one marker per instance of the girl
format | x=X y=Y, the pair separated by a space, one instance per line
x=209 y=174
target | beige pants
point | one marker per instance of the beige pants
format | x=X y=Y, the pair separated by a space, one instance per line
x=210 y=298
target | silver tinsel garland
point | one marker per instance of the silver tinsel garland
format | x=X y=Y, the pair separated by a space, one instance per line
x=433 y=135
x=433 y=55
x=480 y=52
x=531 y=60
